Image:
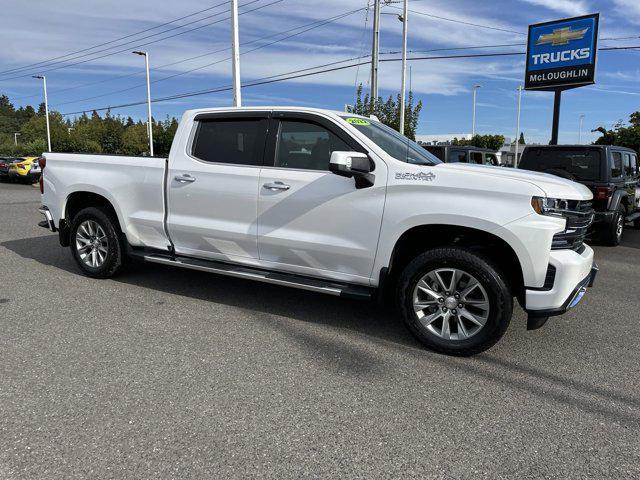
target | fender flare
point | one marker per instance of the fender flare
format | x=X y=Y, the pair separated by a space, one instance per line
x=617 y=199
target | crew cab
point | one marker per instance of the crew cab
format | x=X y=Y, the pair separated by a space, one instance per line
x=612 y=173
x=333 y=203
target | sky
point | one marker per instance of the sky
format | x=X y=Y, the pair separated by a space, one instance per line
x=37 y=34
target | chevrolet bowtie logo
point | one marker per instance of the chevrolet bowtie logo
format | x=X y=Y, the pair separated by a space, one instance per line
x=561 y=36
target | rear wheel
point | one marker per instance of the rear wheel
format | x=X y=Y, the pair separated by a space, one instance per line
x=613 y=231
x=454 y=301
x=96 y=243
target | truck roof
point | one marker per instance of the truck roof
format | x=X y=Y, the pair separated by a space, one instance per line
x=277 y=108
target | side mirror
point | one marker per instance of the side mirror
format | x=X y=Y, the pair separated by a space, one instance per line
x=353 y=164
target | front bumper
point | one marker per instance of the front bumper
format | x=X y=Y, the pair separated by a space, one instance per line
x=575 y=272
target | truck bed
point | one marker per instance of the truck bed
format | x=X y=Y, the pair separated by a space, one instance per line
x=133 y=185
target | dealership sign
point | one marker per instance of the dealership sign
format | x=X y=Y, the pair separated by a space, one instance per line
x=562 y=54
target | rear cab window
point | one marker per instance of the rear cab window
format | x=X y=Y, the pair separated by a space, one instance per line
x=237 y=141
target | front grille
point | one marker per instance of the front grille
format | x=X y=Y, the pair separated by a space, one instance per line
x=579 y=216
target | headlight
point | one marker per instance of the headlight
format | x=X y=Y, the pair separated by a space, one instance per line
x=550 y=206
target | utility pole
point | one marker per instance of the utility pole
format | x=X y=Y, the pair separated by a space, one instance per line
x=405 y=22
x=375 y=52
x=580 y=130
x=15 y=138
x=150 y=125
x=515 y=161
x=473 y=118
x=46 y=107
x=235 y=47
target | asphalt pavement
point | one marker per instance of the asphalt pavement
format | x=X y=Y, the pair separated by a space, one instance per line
x=165 y=373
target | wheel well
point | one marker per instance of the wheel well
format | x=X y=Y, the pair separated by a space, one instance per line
x=76 y=202
x=419 y=239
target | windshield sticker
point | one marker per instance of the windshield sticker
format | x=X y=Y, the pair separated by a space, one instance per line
x=357 y=121
x=424 y=177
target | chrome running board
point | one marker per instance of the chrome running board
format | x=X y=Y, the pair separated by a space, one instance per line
x=276 y=278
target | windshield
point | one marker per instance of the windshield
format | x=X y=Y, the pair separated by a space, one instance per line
x=582 y=164
x=396 y=145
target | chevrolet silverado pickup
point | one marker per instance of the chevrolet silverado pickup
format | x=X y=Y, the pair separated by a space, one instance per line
x=333 y=203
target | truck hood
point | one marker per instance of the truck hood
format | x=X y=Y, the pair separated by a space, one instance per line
x=552 y=186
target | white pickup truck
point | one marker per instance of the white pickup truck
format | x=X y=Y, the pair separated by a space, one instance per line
x=333 y=203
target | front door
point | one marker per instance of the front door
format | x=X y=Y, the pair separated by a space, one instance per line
x=212 y=187
x=311 y=221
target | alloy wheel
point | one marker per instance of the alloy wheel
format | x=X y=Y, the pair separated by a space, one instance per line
x=92 y=244
x=451 y=303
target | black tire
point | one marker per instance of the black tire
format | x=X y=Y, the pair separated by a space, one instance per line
x=114 y=261
x=498 y=293
x=611 y=235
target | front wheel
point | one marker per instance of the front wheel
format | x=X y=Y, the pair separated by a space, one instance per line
x=96 y=243
x=454 y=301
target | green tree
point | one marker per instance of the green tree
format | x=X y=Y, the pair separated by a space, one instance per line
x=493 y=142
x=388 y=112
x=622 y=135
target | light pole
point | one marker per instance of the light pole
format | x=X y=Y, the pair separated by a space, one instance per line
x=46 y=107
x=405 y=22
x=375 y=52
x=235 y=47
x=515 y=161
x=15 y=138
x=150 y=126
x=473 y=119
x=580 y=129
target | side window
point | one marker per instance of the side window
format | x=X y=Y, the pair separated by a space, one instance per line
x=628 y=166
x=457 y=156
x=237 y=141
x=616 y=164
x=306 y=145
x=491 y=159
x=476 y=157
x=637 y=163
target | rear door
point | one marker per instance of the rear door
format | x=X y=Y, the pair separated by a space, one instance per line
x=311 y=221
x=212 y=187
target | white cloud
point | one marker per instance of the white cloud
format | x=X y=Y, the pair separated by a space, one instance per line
x=568 y=7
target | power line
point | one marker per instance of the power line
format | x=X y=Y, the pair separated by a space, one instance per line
x=115 y=40
x=296 y=75
x=430 y=15
x=302 y=29
x=139 y=45
x=314 y=24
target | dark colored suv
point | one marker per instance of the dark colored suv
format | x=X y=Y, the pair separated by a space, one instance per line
x=463 y=154
x=611 y=173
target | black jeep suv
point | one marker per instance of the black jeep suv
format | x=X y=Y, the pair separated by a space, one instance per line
x=611 y=173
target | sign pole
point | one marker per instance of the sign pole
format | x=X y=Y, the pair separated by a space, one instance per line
x=556 y=117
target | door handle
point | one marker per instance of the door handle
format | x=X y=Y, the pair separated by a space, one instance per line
x=276 y=186
x=184 y=178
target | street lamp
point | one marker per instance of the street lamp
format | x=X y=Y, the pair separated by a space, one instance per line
x=580 y=129
x=46 y=107
x=150 y=125
x=15 y=138
x=405 y=20
x=473 y=120
x=515 y=161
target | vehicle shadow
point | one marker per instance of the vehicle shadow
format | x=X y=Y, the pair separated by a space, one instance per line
x=366 y=317
x=380 y=326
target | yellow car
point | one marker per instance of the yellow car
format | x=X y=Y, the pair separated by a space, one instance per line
x=25 y=170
